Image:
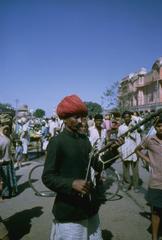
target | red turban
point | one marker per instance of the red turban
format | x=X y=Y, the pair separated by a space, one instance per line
x=70 y=106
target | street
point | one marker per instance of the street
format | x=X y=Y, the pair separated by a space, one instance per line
x=29 y=217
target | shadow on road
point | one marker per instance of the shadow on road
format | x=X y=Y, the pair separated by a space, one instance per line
x=18 y=177
x=35 y=155
x=116 y=197
x=24 y=164
x=107 y=235
x=147 y=215
x=23 y=186
x=19 y=224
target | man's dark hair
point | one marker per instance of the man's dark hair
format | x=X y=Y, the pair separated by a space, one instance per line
x=126 y=112
x=98 y=116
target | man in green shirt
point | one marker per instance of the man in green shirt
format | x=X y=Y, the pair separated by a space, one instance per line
x=77 y=201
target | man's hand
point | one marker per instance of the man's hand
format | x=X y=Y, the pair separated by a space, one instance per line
x=1 y=161
x=1 y=185
x=117 y=143
x=81 y=186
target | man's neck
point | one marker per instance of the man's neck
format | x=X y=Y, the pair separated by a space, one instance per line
x=71 y=130
x=159 y=136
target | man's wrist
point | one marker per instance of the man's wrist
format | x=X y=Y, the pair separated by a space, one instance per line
x=1 y=160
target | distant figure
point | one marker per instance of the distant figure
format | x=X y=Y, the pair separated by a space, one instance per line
x=112 y=133
x=137 y=119
x=90 y=121
x=129 y=158
x=46 y=142
x=83 y=128
x=107 y=122
x=98 y=134
x=25 y=139
x=44 y=129
x=19 y=153
x=54 y=126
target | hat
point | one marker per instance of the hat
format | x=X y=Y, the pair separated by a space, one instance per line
x=70 y=106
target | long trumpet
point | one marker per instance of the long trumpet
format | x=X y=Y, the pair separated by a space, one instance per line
x=109 y=153
x=42 y=193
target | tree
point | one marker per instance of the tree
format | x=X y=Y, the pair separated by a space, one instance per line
x=7 y=107
x=93 y=108
x=39 y=113
x=110 y=96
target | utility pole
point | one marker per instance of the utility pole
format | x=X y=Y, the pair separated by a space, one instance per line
x=16 y=103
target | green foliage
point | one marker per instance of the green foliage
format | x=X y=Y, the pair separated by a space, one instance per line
x=93 y=108
x=110 y=96
x=7 y=108
x=39 y=113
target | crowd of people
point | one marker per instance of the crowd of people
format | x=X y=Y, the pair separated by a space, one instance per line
x=67 y=140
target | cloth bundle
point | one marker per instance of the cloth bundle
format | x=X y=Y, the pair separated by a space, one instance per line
x=5 y=119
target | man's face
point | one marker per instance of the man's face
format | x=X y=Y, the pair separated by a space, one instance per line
x=158 y=128
x=127 y=118
x=73 y=123
x=98 y=123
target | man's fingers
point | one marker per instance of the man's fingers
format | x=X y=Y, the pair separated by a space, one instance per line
x=81 y=186
x=83 y=192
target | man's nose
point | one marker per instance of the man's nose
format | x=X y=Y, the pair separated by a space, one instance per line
x=79 y=120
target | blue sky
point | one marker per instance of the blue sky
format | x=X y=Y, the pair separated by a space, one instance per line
x=53 y=48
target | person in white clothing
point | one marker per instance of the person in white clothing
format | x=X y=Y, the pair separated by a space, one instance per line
x=54 y=126
x=25 y=139
x=98 y=134
x=97 y=137
x=90 y=121
x=129 y=158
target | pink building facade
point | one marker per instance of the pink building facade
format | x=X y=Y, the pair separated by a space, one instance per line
x=142 y=91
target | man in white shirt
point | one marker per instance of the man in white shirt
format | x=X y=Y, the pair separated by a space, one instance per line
x=98 y=134
x=54 y=126
x=128 y=156
x=97 y=137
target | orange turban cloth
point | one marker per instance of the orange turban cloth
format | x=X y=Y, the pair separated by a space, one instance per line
x=70 y=106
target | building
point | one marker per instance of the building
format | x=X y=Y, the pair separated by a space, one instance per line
x=23 y=112
x=142 y=91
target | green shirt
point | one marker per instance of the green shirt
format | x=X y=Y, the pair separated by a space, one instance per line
x=67 y=160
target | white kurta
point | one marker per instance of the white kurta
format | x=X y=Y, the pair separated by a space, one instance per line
x=131 y=142
x=95 y=138
x=98 y=142
x=88 y=229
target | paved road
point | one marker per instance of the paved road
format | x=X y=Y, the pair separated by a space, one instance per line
x=28 y=217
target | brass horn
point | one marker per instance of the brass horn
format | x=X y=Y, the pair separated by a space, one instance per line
x=105 y=156
x=43 y=193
